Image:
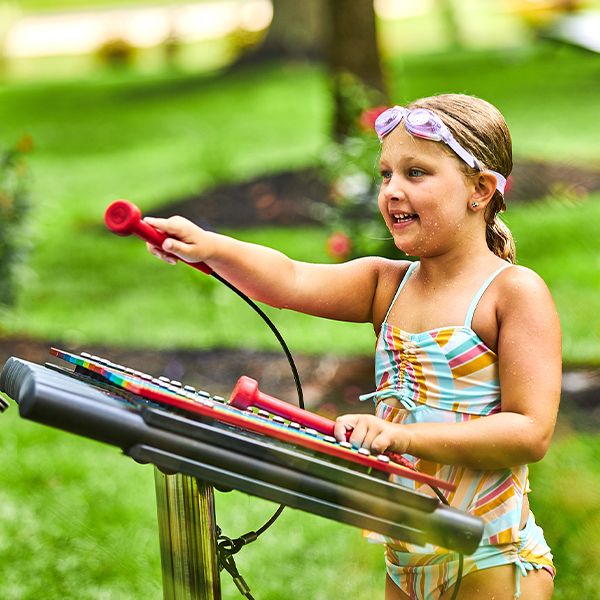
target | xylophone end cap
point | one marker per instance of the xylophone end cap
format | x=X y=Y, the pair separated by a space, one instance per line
x=244 y=392
x=122 y=217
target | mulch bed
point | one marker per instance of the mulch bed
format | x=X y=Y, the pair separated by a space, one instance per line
x=330 y=383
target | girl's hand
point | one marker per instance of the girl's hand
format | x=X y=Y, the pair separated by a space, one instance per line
x=372 y=433
x=185 y=240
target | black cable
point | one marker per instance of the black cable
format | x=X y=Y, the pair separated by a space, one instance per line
x=226 y=547
x=459 y=574
x=275 y=331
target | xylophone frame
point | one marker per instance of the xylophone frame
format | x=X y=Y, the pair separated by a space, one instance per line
x=187 y=533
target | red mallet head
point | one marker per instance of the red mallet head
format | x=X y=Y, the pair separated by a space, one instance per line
x=122 y=217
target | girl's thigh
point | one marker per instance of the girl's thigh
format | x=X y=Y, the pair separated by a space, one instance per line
x=499 y=583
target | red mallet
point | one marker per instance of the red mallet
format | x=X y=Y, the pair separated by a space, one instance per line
x=124 y=218
x=246 y=394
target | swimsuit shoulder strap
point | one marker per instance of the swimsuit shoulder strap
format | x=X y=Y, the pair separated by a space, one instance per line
x=480 y=292
x=408 y=273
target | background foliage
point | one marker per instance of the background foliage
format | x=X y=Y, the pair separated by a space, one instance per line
x=13 y=207
x=76 y=519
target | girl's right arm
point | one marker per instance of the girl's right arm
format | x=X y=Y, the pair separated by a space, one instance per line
x=342 y=291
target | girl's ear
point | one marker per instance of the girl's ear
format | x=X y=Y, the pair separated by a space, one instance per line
x=484 y=190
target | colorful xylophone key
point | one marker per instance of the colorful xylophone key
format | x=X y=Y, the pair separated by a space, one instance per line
x=249 y=409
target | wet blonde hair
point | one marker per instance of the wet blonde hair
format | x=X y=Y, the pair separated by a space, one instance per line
x=479 y=127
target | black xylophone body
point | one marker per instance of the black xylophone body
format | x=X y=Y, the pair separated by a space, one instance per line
x=233 y=457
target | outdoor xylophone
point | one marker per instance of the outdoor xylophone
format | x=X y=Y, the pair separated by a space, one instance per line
x=253 y=443
x=287 y=458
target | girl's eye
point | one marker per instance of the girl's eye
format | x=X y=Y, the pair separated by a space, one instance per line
x=386 y=174
x=415 y=172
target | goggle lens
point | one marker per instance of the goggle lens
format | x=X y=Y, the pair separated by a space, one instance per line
x=388 y=120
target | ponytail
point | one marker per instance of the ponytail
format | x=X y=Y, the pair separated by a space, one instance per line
x=499 y=238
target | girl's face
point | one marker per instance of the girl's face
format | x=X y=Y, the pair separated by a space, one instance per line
x=424 y=194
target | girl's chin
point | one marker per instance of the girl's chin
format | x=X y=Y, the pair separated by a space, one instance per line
x=408 y=249
x=401 y=240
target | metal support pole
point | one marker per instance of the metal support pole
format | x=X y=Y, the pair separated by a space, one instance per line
x=187 y=534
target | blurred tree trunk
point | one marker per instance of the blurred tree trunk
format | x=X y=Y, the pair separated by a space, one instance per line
x=297 y=31
x=353 y=59
x=342 y=34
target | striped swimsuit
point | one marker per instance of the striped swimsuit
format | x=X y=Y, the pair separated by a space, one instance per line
x=448 y=375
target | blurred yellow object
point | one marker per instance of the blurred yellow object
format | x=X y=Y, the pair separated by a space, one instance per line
x=538 y=13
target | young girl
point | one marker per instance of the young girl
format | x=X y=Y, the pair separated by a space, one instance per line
x=468 y=356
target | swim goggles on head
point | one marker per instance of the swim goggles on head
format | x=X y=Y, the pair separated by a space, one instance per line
x=423 y=123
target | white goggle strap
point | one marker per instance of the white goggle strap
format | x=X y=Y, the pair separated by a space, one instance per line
x=500 y=180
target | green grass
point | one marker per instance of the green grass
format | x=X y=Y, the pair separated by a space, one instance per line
x=82 y=518
x=78 y=520
x=548 y=94
x=566 y=502
x=157 y=137
x=559 y=240
x=187 y=309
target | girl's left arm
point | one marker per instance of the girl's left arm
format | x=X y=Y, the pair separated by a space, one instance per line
x=529 y=353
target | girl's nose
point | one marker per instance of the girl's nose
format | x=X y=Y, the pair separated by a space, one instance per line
x=394 y=189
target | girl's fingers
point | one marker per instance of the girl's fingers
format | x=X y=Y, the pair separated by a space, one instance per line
x=180 y=249
x=370 y=436
x=367 y=431
x=342 y=426
x=174 y=226
x=156 y=222
x=160 y=224
x=160 y=254
x=184 y=237
x=381 y=443
x=359 y=433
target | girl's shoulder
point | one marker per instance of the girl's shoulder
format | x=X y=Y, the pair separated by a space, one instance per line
x=519 y=288
x=518 y=280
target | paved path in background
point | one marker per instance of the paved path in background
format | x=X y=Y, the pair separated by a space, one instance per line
x=56 y=33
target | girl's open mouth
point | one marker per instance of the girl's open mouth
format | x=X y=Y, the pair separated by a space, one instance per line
x=400 y=218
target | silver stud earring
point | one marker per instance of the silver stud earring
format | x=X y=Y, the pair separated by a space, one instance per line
x=474 y=204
